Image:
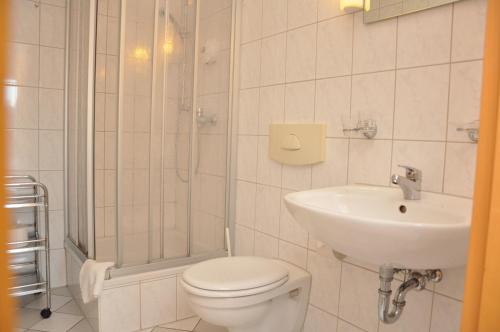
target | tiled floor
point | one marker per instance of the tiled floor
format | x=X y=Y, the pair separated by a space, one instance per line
x=67 y=317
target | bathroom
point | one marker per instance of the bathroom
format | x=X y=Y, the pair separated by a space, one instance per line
x=170 y=134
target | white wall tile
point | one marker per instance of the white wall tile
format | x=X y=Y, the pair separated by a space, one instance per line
x=452 y=284
x=333 y=102
x=272 y=107
x=299 y=102
x=51 y=150
x=245 y=203
x=27 y=18
x=301 y=54
x=333 y=171
x=158 y=302
x=421 y=103
x=374 y=46
x=272 y=65
x=335 y=47
x=21 y=106
x=113 y=36
x=247 y=157
x=112 y=75
x=424 y=38
x=51 y=68
x=319 y=321
x=296 y=177
x=301 y=12
x=468 y=29
x=369 y=161
x=432 y=166
x=373 y=98
x=251 y=20
x=359 y=284
x=325 y=288
x=465 y=97
x=57 y=268
x=268 y=170
x=52 y=26
x=51 y=112
x=22 y=66
x=244 y=238
x=54 y=182
x=267 y=209
x=328 y=9
x=250 y=65
x=123 y=317
x=265 y=245
x=248 y=113
x=289 y=229
x=23 y=149
x=293 y=254
x=446 y=314
x=459 y=173
x=102 y=26
x=274 y=17
x=346 y=327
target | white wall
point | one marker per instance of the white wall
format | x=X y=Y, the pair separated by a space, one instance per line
x=418 y=76
x=35 y=94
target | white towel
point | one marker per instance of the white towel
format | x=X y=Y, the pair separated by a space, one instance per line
x=92 y=277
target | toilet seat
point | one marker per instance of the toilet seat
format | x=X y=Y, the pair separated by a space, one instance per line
x=234 y=277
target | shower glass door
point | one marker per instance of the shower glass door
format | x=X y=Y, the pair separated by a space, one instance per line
x=161 y=128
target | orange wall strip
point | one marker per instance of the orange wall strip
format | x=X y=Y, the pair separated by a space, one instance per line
x=481 y=311
x=6 y=303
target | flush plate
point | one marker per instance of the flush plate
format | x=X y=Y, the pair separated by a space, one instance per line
x=297 y=143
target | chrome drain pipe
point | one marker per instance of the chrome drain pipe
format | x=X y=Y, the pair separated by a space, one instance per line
x=417 y=281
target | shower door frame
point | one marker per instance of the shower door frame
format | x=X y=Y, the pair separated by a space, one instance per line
x=69 y=242
x=231 y=147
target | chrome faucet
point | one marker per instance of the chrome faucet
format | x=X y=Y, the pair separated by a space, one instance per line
x=411 y=184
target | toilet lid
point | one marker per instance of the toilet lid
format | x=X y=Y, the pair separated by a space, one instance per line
x=234 y=273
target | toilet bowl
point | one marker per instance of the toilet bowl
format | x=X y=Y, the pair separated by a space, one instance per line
x=248 y=294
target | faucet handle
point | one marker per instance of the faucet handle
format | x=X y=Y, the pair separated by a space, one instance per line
x=412 y=173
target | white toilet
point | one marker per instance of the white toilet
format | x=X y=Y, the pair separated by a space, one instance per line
x=248 y=294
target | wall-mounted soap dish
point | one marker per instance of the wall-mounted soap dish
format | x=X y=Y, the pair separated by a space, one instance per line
x=366 y=127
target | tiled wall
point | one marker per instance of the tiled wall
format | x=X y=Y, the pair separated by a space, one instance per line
x=418 y=76
x=35 y=98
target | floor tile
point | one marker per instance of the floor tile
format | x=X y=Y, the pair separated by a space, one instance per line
x=184 y=325
x=57 y=302
x=26 y=318
x=82 y=326
x=57 y=323
x=63 y=291
x=70 y=308
x=206 y=327
x=161 y=329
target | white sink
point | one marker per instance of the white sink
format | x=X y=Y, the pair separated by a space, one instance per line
x=367 y=223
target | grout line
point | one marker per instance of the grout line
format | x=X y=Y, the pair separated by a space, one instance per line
x=448 y=102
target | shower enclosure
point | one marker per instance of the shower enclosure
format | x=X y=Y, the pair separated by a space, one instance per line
x=148 y=143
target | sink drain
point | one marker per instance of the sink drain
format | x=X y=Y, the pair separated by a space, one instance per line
x=402 y=208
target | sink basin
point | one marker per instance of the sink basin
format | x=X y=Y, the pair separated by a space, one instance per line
x=376 y=225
